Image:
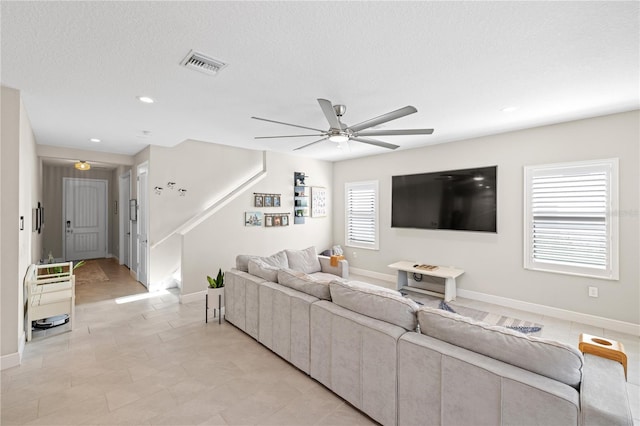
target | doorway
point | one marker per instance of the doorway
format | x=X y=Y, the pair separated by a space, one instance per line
x=142 y=236
x=84 y=218
x=124 y=254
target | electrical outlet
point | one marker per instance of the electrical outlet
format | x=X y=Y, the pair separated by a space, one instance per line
x=593 y=291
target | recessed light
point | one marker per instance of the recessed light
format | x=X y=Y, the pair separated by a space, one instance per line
x=96 y=140
x=146 y=99
x=509 y=109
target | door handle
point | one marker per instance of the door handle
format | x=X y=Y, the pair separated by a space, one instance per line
x=68 y=224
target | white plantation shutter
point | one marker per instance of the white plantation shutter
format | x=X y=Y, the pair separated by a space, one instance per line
x=569 y=225
x=361 y=205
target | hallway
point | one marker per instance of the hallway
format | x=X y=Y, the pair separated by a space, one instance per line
x=118 y=283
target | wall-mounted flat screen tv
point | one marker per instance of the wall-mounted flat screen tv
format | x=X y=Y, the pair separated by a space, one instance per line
x=455 y=199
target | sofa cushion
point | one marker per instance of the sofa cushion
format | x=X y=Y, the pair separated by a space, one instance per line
x=546 y=357
x=242 y=262
x=262 y=269
x=279 y=260
x=304 y=260
x=305 y=283
x=375 y=302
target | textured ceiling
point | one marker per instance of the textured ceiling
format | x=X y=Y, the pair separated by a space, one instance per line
x=81 y=65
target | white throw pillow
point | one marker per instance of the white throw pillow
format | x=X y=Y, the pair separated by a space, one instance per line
x=304 y=260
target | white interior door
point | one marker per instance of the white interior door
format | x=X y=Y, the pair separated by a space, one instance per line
x=125 y=223
x=143 y=227
x=85 y=218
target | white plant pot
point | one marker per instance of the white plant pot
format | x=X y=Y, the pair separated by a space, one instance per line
x=213 y=297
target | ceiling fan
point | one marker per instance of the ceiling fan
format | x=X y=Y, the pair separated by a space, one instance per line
x=341 y=133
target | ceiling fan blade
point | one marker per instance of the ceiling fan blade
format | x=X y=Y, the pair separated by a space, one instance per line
x=285 y=136
x=394 y=132
x=309 y=144
x=393 y=115
x=330 y=113
x=376 y=143
x=287 y=124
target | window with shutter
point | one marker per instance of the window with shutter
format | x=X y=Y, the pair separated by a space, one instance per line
x=361 y=204
x=569 y=225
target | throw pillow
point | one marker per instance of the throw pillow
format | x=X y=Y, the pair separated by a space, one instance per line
x=304 y=260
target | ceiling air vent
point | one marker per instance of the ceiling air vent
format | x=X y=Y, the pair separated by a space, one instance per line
x=199 y=62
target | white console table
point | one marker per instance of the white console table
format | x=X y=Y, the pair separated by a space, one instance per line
x=449 y=275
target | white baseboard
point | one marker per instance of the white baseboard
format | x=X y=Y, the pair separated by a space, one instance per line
x=596 y=321
x=9 y=361
x=14 y=359
x=376 y=275
x=198 y=296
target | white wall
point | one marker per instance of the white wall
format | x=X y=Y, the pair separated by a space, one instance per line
x=216 y=242
x=21 y=191
x=493 y=263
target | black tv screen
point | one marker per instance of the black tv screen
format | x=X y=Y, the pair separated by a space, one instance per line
x=454 y=199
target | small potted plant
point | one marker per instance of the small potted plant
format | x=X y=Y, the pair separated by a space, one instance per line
x=215 y=293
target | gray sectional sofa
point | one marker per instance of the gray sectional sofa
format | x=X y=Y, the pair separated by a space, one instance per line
x=400 y=363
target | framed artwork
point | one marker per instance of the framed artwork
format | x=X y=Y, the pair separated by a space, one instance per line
x=276 y=201
x=252 y=218
x=318 y=201
x=268 y=221
x=268 y=201
x=258 y=200
x=284 y=220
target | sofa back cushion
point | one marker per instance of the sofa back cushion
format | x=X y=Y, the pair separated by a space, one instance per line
x=278 y=260
x=242 y=262
x=548 y=358
x=262 y=269
x=304 y=260
x=375 y=302
x=304 y=283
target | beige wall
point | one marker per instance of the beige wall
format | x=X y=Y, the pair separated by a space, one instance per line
x=216 y=242
x=493 y=263
x=20 y=185
x=53 y=204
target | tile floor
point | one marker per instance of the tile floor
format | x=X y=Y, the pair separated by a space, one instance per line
x=152 y=360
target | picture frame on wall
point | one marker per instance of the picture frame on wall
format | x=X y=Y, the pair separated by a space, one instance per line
x=268 y=201
x=252 y=218
x=284 y=220
x=268 y=221
x=258 y=200
x=276 y=201
x=318 y=201
x=277 y=221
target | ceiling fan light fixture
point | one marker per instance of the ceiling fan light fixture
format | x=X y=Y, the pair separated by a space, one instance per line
x=339 y=138
x=82 y=165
